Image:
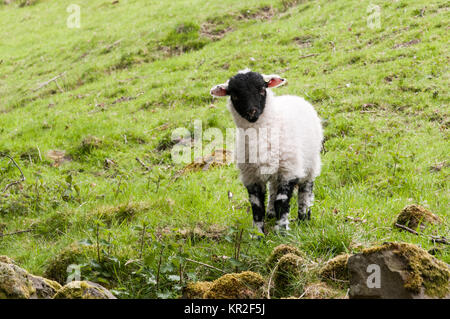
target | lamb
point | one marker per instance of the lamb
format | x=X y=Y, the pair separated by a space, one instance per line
x=295 y=135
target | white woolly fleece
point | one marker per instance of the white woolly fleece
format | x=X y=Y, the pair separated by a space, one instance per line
x=300 y=141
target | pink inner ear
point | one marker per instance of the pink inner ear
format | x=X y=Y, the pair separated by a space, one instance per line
x=219 y=91
x=274 y=82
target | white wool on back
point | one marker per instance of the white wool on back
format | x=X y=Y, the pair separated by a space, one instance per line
x=300 y=141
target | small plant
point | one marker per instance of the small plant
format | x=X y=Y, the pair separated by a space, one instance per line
x=71 y=188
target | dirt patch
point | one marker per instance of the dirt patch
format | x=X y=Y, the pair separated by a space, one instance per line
x=439 y=166
x=406 y=44
x=214 y=31
x=303 y=41
x=219 y=157
x=58 y=157
x=263 y=13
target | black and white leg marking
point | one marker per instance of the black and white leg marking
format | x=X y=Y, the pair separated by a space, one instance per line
x=284 y=194
x=257 y=194
x=273 y=189
x=305 y=199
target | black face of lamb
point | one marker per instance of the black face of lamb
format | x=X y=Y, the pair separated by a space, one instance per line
x=283 y=198
x=257 y=194
x=305 y=198
x=248 y=95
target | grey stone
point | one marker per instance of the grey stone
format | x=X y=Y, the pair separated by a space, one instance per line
x=395 y=274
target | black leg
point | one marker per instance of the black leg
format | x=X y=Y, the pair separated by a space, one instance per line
x=305 y=200
x=257 y=194
x=281 y=204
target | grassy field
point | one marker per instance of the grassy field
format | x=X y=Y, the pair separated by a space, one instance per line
x=136 y=70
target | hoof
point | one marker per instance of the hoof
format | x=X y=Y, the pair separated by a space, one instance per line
x=304 y=216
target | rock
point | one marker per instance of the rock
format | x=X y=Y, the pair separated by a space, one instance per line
x=6 y=260
x=405 y=271
x=414 y=215
x=196 y=290
x=83 y=290
x=335 y=270
x=244 y=285
x=279 y=252
x=289 y=268
x=45 y=288
x=17 y=283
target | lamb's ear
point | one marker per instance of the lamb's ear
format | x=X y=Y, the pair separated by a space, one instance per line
x=219 y=90
x=273 y=80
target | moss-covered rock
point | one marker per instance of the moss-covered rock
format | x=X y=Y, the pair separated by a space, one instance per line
x=288 y=269
x=414 y=215
x=83 y=290
x=45 y=288
x=196 y=290
x=335 y=270
x=279 y=252
x=414 y=268
x=244 y=285
x=57 y=267
x=6 y=260
x=15 y=283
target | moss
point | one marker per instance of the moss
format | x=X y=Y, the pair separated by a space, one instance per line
x=53 y=284
x=414 y=215
x=287 y=271
x=57 y=267
x=336 y=270
x=196 y=290
x=245 y=285
x=279 y=252
x=424 y=270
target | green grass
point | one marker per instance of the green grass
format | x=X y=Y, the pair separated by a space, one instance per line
x=137 y=70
